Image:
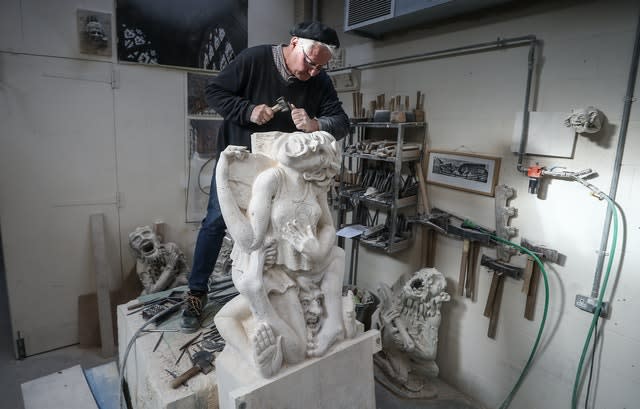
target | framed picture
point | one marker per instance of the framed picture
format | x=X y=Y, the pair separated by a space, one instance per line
x=463 y=171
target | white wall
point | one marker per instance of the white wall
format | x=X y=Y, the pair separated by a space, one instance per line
x=41 y=68
x=471 y=103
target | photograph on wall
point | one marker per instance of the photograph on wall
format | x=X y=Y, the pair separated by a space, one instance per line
x=202 y=151
x=463 y=171
x=188 y=34
x=94 y=32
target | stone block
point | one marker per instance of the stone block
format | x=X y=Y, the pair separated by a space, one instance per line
x=342 y=379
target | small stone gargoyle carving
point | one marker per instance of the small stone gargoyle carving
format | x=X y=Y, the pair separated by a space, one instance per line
x=408 y=318
x=585 y=120
x=159 y=265
x=285 y=263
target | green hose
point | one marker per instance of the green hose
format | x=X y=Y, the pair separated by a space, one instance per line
x=596 y=314
x=525 y=370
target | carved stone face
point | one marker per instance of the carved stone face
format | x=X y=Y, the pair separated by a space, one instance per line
x=423 y=285
x=584 y=120
x=420 y=291
x=95 y=30
x=144 y=242
x=312 y=301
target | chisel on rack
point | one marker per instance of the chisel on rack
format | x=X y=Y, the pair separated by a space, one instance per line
x=470 y=283
x=464 y=263
x=494 y=299
x=532 y=274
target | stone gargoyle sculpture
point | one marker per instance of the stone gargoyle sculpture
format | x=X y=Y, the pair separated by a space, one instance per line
x=585 y=120
x=285 y=263
x=159 y=265
x=408 y=318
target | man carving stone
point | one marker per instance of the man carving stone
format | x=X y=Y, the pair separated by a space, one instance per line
x=284 y=256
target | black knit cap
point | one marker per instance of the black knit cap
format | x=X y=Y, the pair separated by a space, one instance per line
x=314 y=30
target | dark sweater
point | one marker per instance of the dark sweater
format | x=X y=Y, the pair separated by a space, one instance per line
x=251 y=79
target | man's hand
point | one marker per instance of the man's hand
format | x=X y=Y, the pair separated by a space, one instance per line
x=302 y=121
x=261 y=114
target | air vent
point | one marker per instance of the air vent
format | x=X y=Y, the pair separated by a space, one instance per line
x=361 y=11
x=376 y=17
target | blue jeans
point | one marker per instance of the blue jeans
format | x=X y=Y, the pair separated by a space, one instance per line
x=208 y=243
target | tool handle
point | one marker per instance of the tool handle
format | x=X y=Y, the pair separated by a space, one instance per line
x=464 y=266
x=532 y=291
x=493 y=319
x=185 y=377
x=492 y=295
x=528 y=269
x=470 y=284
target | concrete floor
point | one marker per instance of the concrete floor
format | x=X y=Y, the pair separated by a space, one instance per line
x=14 y=372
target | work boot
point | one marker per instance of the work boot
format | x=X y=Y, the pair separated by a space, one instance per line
x=192 y=312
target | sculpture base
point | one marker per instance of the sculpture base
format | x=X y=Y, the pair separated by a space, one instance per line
x=342 y=379
x=422 y=388
x=447 y=397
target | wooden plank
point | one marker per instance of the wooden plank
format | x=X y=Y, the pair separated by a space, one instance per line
x=64 y=389
x=103 y=272
x=104 y=383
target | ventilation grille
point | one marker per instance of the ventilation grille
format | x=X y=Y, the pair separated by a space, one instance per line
x=361 y=11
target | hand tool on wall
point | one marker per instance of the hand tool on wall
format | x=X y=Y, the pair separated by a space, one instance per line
x=281 y=105
x=464 y=261
x=471 y=240
x=468 y=262
x=532 y=274
x=202 y=362
x=494 y=299
x=470 y=283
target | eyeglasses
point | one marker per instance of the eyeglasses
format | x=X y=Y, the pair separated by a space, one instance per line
x=311 y=64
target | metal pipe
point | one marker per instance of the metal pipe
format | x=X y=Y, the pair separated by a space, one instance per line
x=499 y=43
x=525 y=112
x=624 y=124
x=487 y=46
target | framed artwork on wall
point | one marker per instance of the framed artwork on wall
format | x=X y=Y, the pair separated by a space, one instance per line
x=193 y=34
x=464 y=171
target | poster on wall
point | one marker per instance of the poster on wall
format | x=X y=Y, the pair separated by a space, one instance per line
x=189 y=34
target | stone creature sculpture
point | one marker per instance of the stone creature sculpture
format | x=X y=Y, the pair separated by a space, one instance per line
x=585 y=120
x=286 y=266
x=408 y=318
x=159 y=266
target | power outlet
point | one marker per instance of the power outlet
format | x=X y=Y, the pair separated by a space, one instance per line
x=589 y=304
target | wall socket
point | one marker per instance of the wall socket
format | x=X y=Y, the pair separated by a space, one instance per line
x=589 y=304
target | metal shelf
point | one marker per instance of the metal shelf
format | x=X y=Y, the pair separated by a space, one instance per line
x=391 y=205
x=406 y=157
